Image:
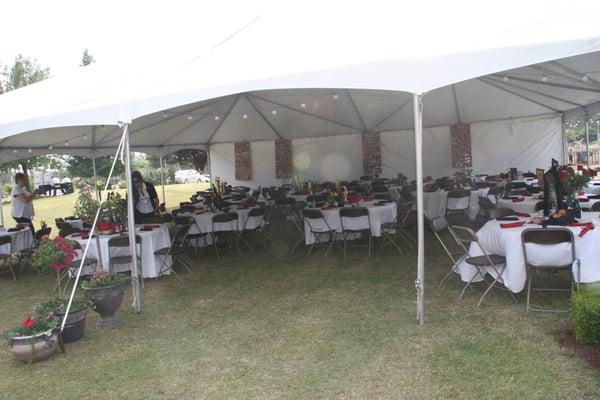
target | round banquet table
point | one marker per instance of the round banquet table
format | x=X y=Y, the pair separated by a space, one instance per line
x=528 y=205
x=20 y=240
x=153 y=240
x=507 y=242
x=377 y=214
x=203 y=219
x=474 y=201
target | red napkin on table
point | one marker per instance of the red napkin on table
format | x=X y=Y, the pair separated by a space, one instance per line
x=518 y=199
x=517 y=224
x=199 y=212
x=581 y=193
x=583 y=200
x=526 y=193
x=79 y=234
x=521 y=214
x=587 y=226
x=152 y=226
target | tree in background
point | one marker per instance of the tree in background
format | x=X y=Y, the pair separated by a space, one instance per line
x=82 y=166
x=86 y=58
x=25 y=71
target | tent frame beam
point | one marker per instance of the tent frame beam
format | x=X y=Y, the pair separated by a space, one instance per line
x=262 y=116
x=554 y=84
x=222 y=121
x=391 y=114
x=304 y=112
x=549 y=96
x=458 y=116
x=360 y=118
x=495 y=85
x=577 y=74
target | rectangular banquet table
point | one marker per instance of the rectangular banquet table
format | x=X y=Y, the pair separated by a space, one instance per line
x=152 y=240
x=21 y=240
x=507 y=242
x=377 y=215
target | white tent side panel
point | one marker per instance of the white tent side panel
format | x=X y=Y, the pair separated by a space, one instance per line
x=398 y=152
x=526 y=143
x=328 y=158
x=222 y=162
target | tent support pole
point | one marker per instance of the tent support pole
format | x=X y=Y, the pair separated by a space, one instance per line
x=210 y=177
x=1 y=207
x=162 y=175
x=96 y=190
x=420 y=281
x=564 y=140
x=135 y=279
x=587 y=142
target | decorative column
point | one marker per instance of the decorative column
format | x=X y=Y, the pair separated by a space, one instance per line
x=243 y=161
x=283 y=158
x=460 y=135
x=371 y=147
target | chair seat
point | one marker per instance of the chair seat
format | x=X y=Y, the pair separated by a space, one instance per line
x=482 y=261
x=4 y=256
x=165 y=251
x=86 y=262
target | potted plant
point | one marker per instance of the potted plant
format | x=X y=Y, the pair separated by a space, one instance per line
x=74 y=328
x=56 y=255
x=35 y=339
x=86 y=206
x=105 y=291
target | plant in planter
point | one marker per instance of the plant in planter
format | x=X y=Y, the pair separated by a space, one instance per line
x=86 y=207
x=75 y=326
x=35 y=339
x=105 y=290
x=55 y=255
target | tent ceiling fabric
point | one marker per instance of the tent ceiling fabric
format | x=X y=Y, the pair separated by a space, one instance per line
x=293 y=82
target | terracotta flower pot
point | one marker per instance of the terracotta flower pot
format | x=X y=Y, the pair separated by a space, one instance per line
x=106 y=302
x=34 y=348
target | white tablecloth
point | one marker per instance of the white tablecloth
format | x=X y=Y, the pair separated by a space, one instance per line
x=153 y=240
x=204 y=221
x=592 y=188
x=377 y=215
x=434 y=203
x=474 y=202
x=507 y=242
x=21 y=240
x=528 y=205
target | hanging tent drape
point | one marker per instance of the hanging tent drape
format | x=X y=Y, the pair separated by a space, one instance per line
x=278 y=79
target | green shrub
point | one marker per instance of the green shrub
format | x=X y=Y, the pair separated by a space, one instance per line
x=585 y=315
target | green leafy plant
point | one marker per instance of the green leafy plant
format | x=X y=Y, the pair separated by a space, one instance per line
x=104 y=279
x=114 y=208
x=59 y=304
x=585 y=315
x=570 y=181
x=33 y=325
x=85 y=206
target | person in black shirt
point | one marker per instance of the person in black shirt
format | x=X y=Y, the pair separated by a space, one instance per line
x=145 y=198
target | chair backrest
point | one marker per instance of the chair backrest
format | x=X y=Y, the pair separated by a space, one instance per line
x=282 y=201
x=41 y=233
x=68 y=230
x=500 y=212
x=404 y=210
x=188 y=209
x=515 y=186
x=299 y=205
x=122 y=241
x=465 y=234
x=224 y=217
x=539 y=205
x=459 y=194
x=536 y=240
x=353 y=212
x=59 y=220
x=440 y=224
x=596 y=206
x=4 y=240
x=312 y=213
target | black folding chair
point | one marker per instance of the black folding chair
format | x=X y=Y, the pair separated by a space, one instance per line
x=356 y=226
x=323 y=235
x=253 y=230
x=117 y=243
x=544 y=239
x=5 y=240
x=451 y=246
x=229 y=236
x=177 y=248
x=392 y=231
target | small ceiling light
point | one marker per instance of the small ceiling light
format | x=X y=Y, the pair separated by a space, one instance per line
x=189 y=117
x=66 y=143
x=29 y=150
x=544 y=78
x=505 y=78
x=15 y=151
x=50 y=147
x=165 y=115
x=245 y=116
x=303 y=105
x=84 y=136
x=217 y=118
x=336 y=96
x=585 y=78
x=274 y=112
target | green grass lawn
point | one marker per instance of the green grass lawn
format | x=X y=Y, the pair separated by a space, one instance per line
x=276 y=326
x=49 y=208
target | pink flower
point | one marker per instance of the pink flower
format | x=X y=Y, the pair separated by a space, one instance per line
x=50 y=315
x=28 y=323
x=58 y=266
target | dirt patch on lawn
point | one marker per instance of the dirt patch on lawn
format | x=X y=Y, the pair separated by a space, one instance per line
x=590 y=353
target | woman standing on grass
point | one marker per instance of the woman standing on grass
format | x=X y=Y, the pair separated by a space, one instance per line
x=22 y=201
x=145 y=198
